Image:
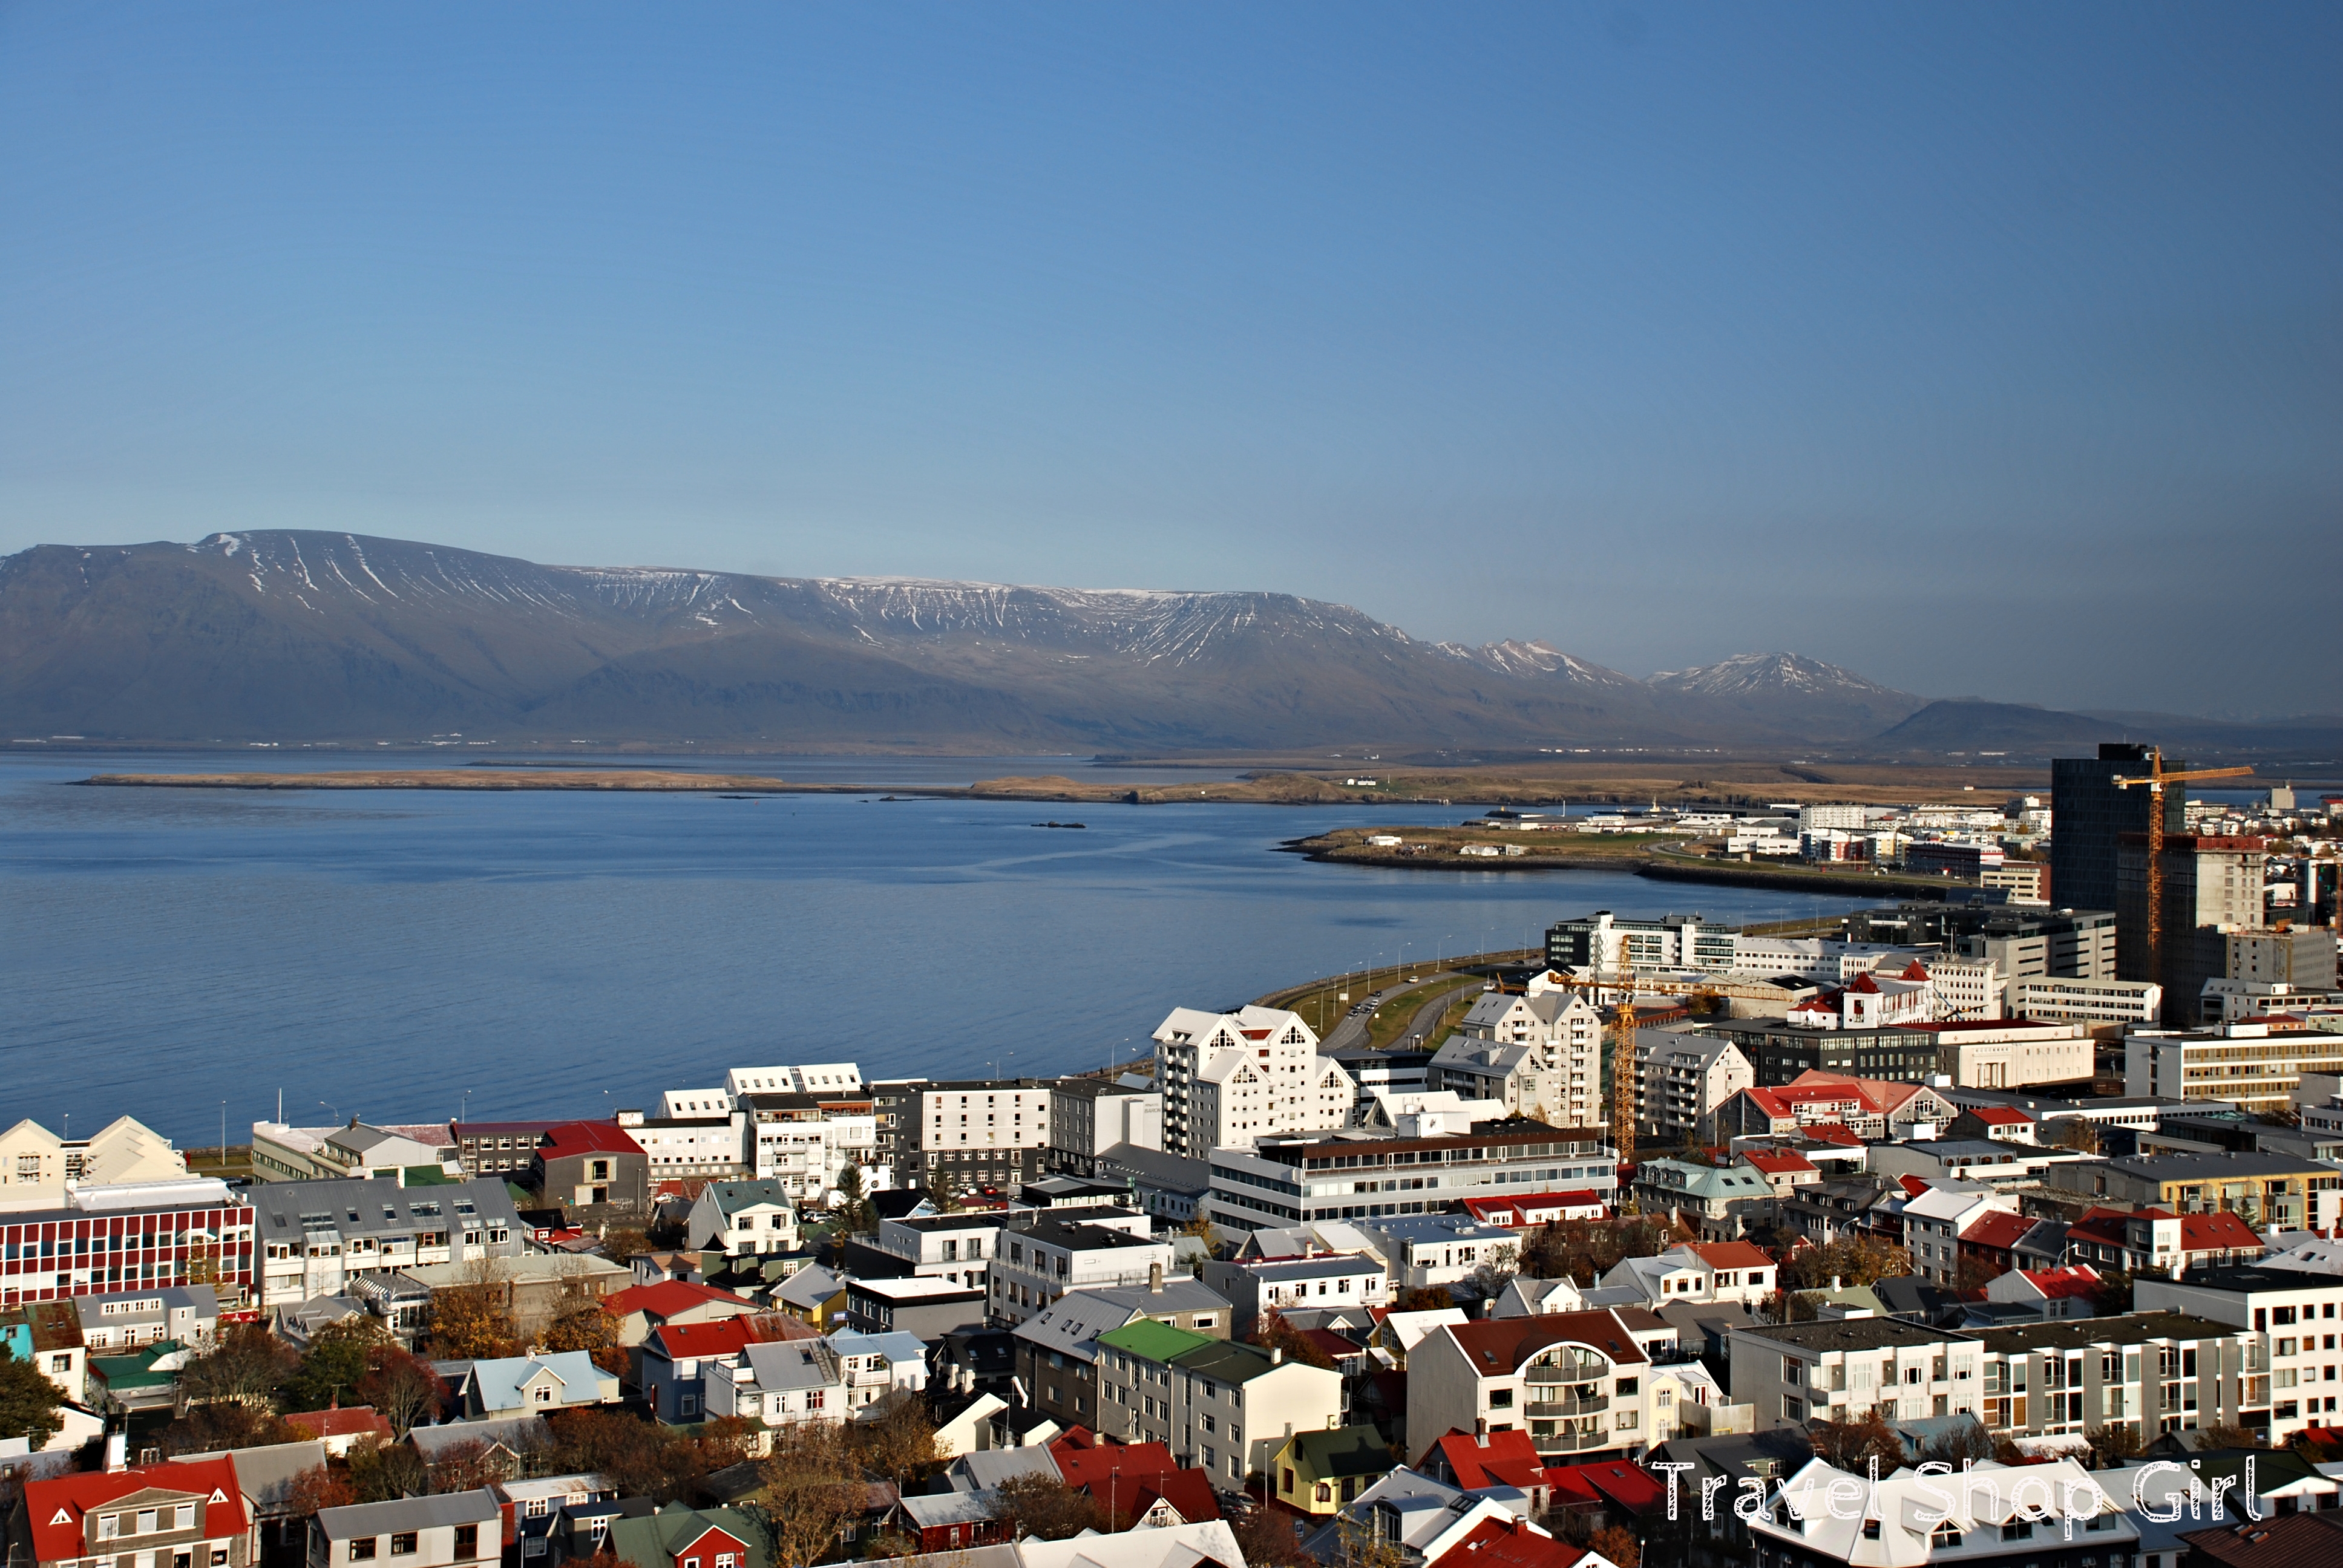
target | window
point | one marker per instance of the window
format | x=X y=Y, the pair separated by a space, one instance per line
x=362 y=1549
x=542 y=1394
x=468 y=1542
x=183 y=1516
x=402 y=1544
x=1501 y=1398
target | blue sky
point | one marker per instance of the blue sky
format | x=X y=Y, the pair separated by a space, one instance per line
x=1987 y=350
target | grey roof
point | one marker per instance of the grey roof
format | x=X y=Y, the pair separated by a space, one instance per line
x=792 y=1363
x=1153 y=1167
x=1098 y=1088
x=988 y=1468
x=1855 y=1334
x=1080 y=1236
x=934 y=1508
x=268 y=1472
x=520 y=1434
x=731 y=1197
x=1318 y=1268
x=2240 y=1278
x=361 y=1519
x=1421 y=1228
x=1072 y=1323
x=173 y=1298
x=2185 y=1167
x=912 y=1290
x=810 y=1286
x=374 y=1206
x=2129 y=1329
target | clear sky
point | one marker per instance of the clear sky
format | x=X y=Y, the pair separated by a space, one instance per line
x=1987 y=350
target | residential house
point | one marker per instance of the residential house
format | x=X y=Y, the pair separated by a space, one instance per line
x=1525 y=1297
x=2295 y=1314
x=437 y=1532
x=1219 y=1406
x=1422 y=1251
x=1835 y=1210
x=878 y=1367
x=1410 y=1518
x=1329 y=1280
x=1870 y=1108
x=2072 y=1291
x=2004 y=1123
x=1578 y=1381
x=1935 y=1220
x=1682 y=1080
x=534 y=1510
x=1529 y=1210
x=955 y=1247
x=141 y=1380
x=504 y=1447
x=1056 y=1349
x=1318 y=1474
x=48 y=1336
x=1985 y=1160
x=1903 y=1519
x=592 y=1164
x=681 y=1537
x=1785 y=1169
x=1089 y=1116
x=1134 y=1482
x=929 y=1308
x=318 y=1237
x=1231 y=1079
x=779 y=1384
x=743 y=1218
x=2156 y=1372
x=1714 y=1199
x=511 y=1386
x=188 y=1314
x=1835 y=1370
x=360 y=1150
x=666 y=1365
x=948 y=1525
x=38 y=1169
x=190 y=1516
x=639 y=1309
x=1057 y=1250
x=270 y=1475
x=342 y=1428
x=814 y=1294
x=1699 y=1272
x=536 y=1288
x=2158 y=1242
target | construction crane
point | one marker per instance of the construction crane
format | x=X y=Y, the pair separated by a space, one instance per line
x=1623 y=1087
x=2154 y=780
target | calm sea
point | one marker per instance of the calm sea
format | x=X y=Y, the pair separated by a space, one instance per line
x=401 y=956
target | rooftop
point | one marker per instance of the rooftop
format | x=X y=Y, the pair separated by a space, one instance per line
x=1854 y=1334
x=2078 y=1334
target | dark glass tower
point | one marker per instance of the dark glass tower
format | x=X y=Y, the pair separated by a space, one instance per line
x=2088 y=814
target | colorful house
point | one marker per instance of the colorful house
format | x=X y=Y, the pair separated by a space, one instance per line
x=1319 y=1473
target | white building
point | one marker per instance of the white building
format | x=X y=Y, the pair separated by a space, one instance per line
x=2252 y=1065
x=1681 y=1080
x=1836 y=1370
x=1578 y=1383
x=2087 y=1001
x=779 y=1384
x=1232 y=1078
x=1934 y=1221
x=843 y=1078
x=37 y=1167
x=2297 y=1315
x=808 y=1159
x=1700 y=1271
x=1908 y=1517
x=692 y=1146
x=1542 y=1055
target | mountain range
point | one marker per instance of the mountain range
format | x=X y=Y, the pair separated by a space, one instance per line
x=308 y=636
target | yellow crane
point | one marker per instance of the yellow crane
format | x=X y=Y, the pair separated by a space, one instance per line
x=1623 y=1087
x=2154 y=780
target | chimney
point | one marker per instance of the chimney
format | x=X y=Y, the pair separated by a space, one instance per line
x=1154 y=1279
x=1481 y=1432
x=1276 y=1355
x=117 y=1449
x=1835 y=1282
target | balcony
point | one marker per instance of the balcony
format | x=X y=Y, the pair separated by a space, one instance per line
x=1586 y=1405
x=1573 y=1441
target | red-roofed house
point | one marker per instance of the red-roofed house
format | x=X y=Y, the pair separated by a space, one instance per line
x=642 y=1308
x=2001 y=1123
x=1578 y=1383
x=1476 y=1461
x=1140 y=1481
x=2068 y=1293
x=1503 y=1542
x=340 y=1429
x=191 y=1515
x=1700 y=1271
x=2157 y=1241
x=1539 y=1208
x=587 y=1164
x=666 y=1365
x=1873 y=1108
x=1991 y=1237
x=1785 y=1169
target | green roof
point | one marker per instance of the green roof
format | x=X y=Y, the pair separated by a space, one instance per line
x=1345 y=1450
x=1230 y=1360
x=659 y=1537
x=137 y=1371
x=1154 y=1341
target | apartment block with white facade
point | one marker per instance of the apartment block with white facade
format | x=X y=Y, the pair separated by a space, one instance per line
x=1835 y=1371
x=1054 y=1251
x=1420 y=1168
x=690 y=1146
x=2297 y=1315
x=1230 y=1079
x=983 y=1132
x=820 y=1078
x=1219 y=1405
x=2154 y=1371
x=1681 y=1080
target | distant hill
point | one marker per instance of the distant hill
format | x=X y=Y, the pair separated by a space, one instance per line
x=302 y=636
x=1970 y=726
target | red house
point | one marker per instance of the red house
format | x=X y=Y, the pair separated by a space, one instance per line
x=190 y=1516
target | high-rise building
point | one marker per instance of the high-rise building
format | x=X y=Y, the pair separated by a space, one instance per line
x=2088 y=814
x=2211 y=887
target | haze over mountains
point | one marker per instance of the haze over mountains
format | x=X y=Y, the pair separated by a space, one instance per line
x=301 y=636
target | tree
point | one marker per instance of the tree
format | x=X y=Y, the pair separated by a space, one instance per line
x=812 y=1491
x=2075 y=1132
x=474 y=1321
x=1039 y=1503
x=1265 y=1539
x=2223 y=1434
x=899 y=1442
x=402 y=1388
x=1850 y=1445
x=209 y=1428
x=468 y=1467
x=1270 y=1331
x=2118 y=1443
x=1618 y=1543
x=1420 y=1300
x=588 y=1327
x=624 y=1243
x=2112 y=1294
x=248 y=1365
x=1793 y=1307
x=1962 y=1440
x=28 y=1401
x=318 y=1487
x=1203 y=1230
x=1973 y=1273
x=385 y=1471
x=1497 y=1271
x=856 y=1216
x=335 y=1363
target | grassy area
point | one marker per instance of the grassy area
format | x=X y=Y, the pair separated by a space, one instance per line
x=1391 y=1020
x=1443 y=845
x=233 y=1162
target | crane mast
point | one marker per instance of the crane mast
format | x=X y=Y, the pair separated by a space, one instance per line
x=2154 y=780
x=1623 y=1073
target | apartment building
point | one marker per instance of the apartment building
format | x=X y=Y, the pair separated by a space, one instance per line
x=2087 y=1002
x=2004 y=1053
x=1041 y=1259
x=1218 y=1405
x=1681 y=1082
x=825 y=1078
x=1232 y=1079
x=2256 y=1066
x=1422 y=1167
x=1089 y=1116
x=1539 y=1055
x=1056 y=1348
x=1836 y=1370
x=1934 y=1222
x=806 y=1142
x=2212 y=885
x=492 y=1148
x=685 y=1146
x=315 y=1237
x=126 y=1239
x=955 y=1247
x=1577 y=1382
x=1331 y=1282
x=2266 y=1191
x=2295 y=1316
x=37 y=1167
x=979 y=1135
x=1701 y=1272
x=2154 y=1371
x=1780 y=1052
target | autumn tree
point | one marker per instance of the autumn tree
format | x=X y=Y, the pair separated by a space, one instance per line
x=1972 y=1274
x=1038 y=1503
x=248 y=1365
x=1497 y=1271
x=1851 y=1260
x=1962 y=1440
x=1850 y=1445
x=401 y=1387
x=2112 y=1294
x=586 y=1326
x=1270 y=1331
x=211 y=1428
x=335 y=1363
x=2118 y=1442
x=2227 y=1434
x=317 y=1487
x=1266 y=1539
x=899 y=1442
x=856 y=1216
x=1617 y=1543
x=813 y=1490
x=384 y=1471
x=2075 y=1132
x=1421 y=1300
x=625 y=1244
x=474 y=1321
x=28 y=1401
x=1203 y=1230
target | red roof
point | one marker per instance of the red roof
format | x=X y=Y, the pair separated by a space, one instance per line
x=1496 y=1347
x=1864 y=985
x=355 y=1421
x=56 y=1508
x=1731 y=1254
x=692 y=1341
x=669 y=1298
x=2217 y=1232
x=1493 y=1459
x=1079 y=1463
x=2001 y=1116
x=1912 y=1185
x=2073 y=1282
x=1916 y=970
x=1997 y=1229
x=1188 y=1492
x=1771 y=1163
x=1335 y=1346
x=1484 y=1208
x=586 y=1138
x=1630 y=1487
x=1830 y=1133
x=1509 y=1542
